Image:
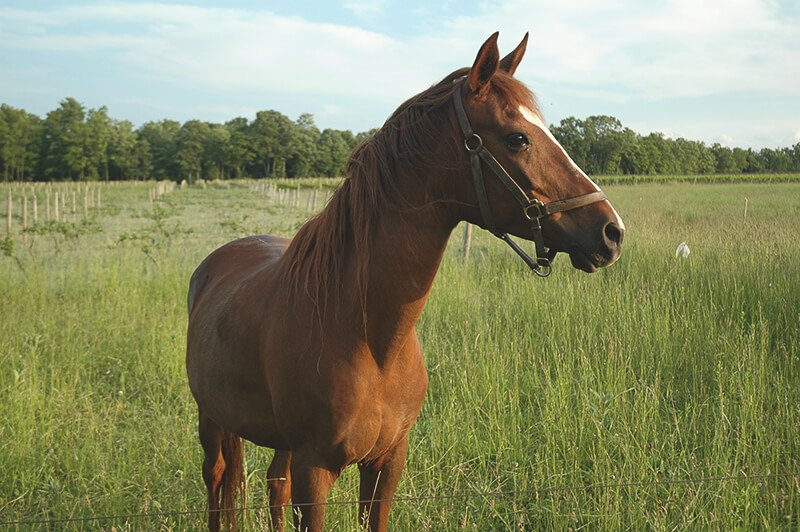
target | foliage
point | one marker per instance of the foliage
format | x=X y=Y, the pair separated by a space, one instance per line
x=602 y=145
x=8 y=249
x=7 y=246
x=76 y=143
x=155 y=239
x=64 y=231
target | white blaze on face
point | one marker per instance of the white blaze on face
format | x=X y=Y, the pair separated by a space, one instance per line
x=534 y=119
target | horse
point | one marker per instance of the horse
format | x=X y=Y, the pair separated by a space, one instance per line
x=308 y=345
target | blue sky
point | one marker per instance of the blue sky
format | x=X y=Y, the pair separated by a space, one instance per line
x=723 y=71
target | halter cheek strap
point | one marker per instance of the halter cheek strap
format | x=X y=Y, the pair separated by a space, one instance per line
x=532 y=208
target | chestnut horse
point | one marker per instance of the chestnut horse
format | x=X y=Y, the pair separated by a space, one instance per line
x=308 y=345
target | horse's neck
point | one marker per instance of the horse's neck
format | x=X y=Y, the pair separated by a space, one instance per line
x=405 y=254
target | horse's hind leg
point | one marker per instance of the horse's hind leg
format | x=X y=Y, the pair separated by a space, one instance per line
x=279 y=482
x=213 y=467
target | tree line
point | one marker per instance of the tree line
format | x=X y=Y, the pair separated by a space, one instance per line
x=73 y=143
x=602 y=145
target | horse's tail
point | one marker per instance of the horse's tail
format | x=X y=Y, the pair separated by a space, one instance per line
x=233 y=481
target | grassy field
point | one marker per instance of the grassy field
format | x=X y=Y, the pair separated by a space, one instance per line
x=639 y=380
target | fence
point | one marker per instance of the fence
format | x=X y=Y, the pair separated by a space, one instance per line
x=33 y=203
x=403 y=500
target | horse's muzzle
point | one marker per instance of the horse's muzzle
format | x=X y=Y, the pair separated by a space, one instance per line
x=606 y=253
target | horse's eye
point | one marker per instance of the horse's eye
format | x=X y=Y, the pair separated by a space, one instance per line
x=518 y=142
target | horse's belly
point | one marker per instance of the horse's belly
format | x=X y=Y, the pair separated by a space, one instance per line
x=245 y=410
x=230 y=388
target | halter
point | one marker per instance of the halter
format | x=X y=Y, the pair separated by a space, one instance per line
x=532 y=208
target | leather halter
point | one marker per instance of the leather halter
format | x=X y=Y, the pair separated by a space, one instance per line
x=532 y=208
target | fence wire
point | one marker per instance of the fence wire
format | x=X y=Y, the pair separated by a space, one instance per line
x=411 y=499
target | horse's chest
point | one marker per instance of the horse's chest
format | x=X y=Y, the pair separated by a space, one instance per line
x=386 y=416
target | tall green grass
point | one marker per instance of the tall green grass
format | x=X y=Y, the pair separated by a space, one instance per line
x=658 y=369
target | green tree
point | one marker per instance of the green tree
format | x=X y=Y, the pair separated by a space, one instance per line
x=571 y=134
x=754 y=163
x=216 y=161
x=272 y=134
x=161 y=139
x=776 y=160
x=64 y=153
x=303 y=150
x=97 y=133
x=122 y=157
x=606 y=138
x=333 y=150
x=724 y=161
x=240 y=146
x=190 y=146
x=20 y=133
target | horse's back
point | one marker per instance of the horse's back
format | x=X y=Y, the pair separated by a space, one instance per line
x=234 y=259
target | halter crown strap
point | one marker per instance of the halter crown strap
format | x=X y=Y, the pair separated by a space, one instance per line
x=477 y=151
x=532 y=208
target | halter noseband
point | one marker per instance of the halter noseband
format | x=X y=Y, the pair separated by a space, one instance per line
x=533 y=208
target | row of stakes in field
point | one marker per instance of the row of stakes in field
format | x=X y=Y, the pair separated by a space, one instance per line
x=161 y=188
x=291 y=197
x=312 y=198
x=35 y=203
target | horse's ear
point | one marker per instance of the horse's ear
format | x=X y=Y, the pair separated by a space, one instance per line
x=485 y=64
x=510 y=62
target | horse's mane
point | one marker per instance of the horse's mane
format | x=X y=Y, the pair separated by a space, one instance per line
x=340 y=236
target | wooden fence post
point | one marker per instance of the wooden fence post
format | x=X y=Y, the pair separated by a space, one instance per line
x=467 y=241
x=9 y=207
x=24 y=211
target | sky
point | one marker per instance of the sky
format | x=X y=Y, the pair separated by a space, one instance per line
x=724 y=71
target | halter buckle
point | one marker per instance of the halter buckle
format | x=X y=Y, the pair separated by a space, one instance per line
x=537 y=207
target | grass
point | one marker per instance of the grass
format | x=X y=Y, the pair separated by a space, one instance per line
x=655 y=370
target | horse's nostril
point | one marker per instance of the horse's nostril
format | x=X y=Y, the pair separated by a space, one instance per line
x=613 y=234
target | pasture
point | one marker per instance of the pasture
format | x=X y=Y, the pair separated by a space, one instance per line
x=662 y=393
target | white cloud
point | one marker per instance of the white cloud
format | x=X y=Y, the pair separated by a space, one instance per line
x=231 y=49
x=653 y=50
x=797 y=135
x=616 y=50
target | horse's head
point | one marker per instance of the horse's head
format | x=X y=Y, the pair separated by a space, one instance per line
x=501 y=115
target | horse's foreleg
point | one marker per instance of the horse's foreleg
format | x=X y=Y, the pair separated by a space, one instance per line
x=279 y=482
x=311 y=482
x=378 y=483
x=213 y=467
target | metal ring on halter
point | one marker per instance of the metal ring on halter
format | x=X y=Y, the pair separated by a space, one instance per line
x=475 y=137
x=544 y=270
